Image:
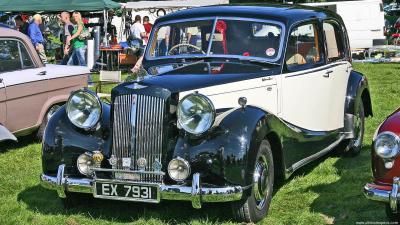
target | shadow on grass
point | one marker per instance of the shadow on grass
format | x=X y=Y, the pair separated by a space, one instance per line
x=343 y=201
x=45 y=201
x=22 y=142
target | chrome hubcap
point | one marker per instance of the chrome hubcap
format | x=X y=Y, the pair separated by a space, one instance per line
x=261 y=180
x=357 y=131
x=52 y=110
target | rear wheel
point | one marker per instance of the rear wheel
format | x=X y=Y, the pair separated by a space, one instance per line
x=46 y=119
x=255 y=207
x=355 y=144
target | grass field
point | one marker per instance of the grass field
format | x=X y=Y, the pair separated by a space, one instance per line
x=328 y=191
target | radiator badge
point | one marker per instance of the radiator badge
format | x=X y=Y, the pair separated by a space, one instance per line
x=157 y=165
x=113 y=161
x=141 y=163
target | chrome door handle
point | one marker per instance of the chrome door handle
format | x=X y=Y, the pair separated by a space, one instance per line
x=327 y=73
x=42 y=73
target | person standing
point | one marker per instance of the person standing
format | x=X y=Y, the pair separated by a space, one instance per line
x=67 y=32
x=36 y=36
x=78 y=44
x=137 y=31
x=147 y=27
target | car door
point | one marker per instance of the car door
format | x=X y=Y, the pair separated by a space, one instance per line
x=307 y=94
x=26 y=89
x=340 y=67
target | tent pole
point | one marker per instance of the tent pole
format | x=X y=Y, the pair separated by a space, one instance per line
x=105 y=39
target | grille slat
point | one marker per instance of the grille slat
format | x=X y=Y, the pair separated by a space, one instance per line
x=138 y=132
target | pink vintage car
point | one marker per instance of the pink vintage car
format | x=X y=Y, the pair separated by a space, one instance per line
x=30 y=92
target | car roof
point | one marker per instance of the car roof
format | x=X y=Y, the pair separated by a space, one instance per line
x=11 y=33
x=285 y=13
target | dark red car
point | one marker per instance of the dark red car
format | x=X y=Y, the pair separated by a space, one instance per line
x=386 y=165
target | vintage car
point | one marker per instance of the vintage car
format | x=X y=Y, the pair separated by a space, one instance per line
x=385 y=166
x=31 y=92
x=232 y=98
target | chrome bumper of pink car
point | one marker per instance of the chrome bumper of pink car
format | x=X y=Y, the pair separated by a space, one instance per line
x=392 y=197
x=197 y=192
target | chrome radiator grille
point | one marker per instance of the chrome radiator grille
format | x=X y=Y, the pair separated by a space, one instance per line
x=138 y=133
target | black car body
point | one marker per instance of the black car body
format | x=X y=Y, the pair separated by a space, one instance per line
x=228 y=104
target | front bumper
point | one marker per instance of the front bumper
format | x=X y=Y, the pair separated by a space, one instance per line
x=374 y=193
x=196 y=193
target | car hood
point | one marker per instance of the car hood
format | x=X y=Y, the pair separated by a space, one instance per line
x=58 y=71
x=200 y=75
x=392 y=123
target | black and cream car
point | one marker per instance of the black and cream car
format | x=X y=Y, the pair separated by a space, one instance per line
x=230 y=99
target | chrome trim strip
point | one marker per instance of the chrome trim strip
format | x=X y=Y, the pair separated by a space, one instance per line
x=127 y=171
x=311 y=158
x=376 y=194
x=197 y=193
x=394 y=195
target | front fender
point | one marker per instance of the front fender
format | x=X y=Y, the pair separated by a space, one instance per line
x=63 y=142
x=225 y=155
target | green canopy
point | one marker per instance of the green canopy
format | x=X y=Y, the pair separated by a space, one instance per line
x=56 y=5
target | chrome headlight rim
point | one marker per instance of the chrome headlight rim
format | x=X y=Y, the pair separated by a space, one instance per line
x=211 y=105
x=98 y=102
x=396 y=140
x=185 y=162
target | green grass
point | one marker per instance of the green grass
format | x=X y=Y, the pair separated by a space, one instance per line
x=326 y=191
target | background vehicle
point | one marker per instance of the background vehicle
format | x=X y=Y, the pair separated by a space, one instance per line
x=235 y=98
x=31 y=92
x=385 y=165
x=364 y=21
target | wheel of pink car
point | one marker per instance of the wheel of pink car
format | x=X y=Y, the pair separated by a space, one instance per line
x=46 y=119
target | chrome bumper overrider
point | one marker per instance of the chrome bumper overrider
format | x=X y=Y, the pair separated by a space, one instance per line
x=196 y=193
x=392 y=197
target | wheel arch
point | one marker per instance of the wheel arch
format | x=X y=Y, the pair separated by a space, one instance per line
x=276 y=146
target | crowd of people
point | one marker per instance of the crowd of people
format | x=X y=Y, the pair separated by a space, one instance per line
x=75 y=34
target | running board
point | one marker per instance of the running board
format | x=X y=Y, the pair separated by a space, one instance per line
x=313 y=157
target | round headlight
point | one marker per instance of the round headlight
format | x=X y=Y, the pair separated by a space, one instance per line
x=196 y=113
x=84 y=163
x=84 y=109
x=387 y=145
x=178 y=169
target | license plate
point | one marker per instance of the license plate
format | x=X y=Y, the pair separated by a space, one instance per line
x=126 y=191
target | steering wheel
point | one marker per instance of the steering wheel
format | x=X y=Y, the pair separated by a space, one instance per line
x=184 y=44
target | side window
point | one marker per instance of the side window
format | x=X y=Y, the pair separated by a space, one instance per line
x=334 y=42
x=304 y=48
x=25 y=57
x=9 y=56
x=14 y=56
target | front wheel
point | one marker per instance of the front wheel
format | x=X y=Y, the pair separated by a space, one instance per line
x=255 y=207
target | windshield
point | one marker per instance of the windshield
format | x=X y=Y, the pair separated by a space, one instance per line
x=224 y=37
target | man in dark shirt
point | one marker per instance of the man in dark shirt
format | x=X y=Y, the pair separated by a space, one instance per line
x=67 y=31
